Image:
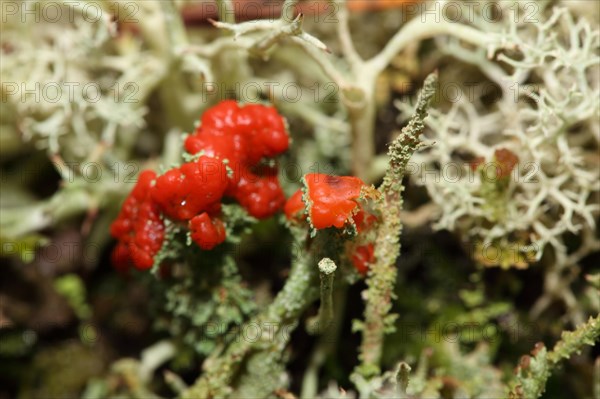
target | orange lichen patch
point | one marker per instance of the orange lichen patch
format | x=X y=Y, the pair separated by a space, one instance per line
x=362 y=257
x=294 y=207
x=476 y=162
x=332 y=202
x=338 y=201
x=333 y=199
x=506 y=160
x=363 y=220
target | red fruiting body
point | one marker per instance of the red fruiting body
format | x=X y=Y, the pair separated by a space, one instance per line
x=294 y=207
x=215 y=143
x=363 y=220
x=362 y=257
x=333 y=199
x=233 y=140
x=258 y=125
x=139 y=227
x=474 y=164
x=333 y=203
x=242 y=137
x=191 y=189
x=506 y=160
x=207 y=232
x=261 y=196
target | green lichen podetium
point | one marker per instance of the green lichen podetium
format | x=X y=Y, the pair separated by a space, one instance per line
x=325 y=317
x=533 y=371
x=382 y=274
x=280 y=318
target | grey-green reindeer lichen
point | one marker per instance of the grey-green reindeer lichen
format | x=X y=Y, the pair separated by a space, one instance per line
x=382 y=275
x=545 y=88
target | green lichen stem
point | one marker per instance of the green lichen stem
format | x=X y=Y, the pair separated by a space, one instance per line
x=324 y=318
x=279 y=319
x=326 y=347
x=382 y=274
x=573 y=341
x=533 y=371
x=415 y=30
x=402 y=379
x=77 y=195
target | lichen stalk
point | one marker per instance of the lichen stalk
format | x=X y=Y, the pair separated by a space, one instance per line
x=280 y=318
x=533 y=371
x=382 y=274
x=324 y=318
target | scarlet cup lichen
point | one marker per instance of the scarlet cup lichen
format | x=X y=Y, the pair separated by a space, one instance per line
x=335 y=201
x=231 y=142
x=294 y=207
x=243 y=137
x=207 y=232
x=139 y=227
x=362 y=257
x=191 y=189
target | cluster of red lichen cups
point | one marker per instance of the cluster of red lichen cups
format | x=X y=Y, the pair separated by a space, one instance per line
x=229 y=145
x=335 y=202
x=228 y=150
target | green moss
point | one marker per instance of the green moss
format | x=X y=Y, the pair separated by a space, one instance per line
x=62 y=371
x=73 y=289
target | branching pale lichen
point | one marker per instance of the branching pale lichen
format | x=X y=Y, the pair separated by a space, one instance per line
x=545 y=107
